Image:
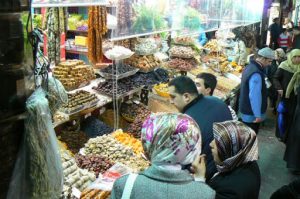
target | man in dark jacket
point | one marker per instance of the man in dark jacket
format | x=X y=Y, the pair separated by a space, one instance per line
x=205 y=110
x=253 y=94
x=275 y=31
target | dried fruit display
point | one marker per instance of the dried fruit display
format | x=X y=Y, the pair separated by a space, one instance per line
x=73 y=175
x=184 y=40
x=93 y=127
x=123 y=86
x=136 y=127
x=79 y=100
x=94 y=163
x=74 y=140
x=145 y=63
x=182 y=52
x=213 y=45
x=108 y=147
x=117 y=69
x=124 y=15
x=56 y=22
x=73 y=73
x=129 y=140
x=182 y=64
x=95 y=194
x=97 y=24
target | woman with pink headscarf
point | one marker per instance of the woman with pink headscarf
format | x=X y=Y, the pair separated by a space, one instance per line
x=170 y=141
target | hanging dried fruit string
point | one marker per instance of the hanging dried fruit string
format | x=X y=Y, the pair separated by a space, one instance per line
x=97 y=28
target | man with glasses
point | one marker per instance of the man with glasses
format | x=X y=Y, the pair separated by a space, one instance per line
x=253 y=95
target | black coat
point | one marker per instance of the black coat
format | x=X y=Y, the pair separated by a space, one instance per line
x=292 y=152
x=205 y=111
x=241 y=183
x=290 y=191
x=281 y=81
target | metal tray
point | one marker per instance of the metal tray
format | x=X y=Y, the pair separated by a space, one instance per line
x=121 y=76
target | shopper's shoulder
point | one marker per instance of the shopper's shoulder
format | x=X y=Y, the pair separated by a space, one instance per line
x=213 y=99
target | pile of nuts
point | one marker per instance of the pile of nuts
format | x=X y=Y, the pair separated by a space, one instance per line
x=145 y=63
x=146 y=46
x=94 y=163
x=73 y=73
x=136 y=127
x=108 y=147
x=182 y=52
x=182 y=64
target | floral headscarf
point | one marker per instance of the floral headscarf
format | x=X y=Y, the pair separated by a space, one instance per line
x=171 y=139
x=236 y=144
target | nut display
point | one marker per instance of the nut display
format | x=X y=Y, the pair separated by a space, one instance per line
x=146 y=46
x=94 y=194
x=108 y=147
x=93 y=127
x=73 y=175
x=163 y=75
x=74 y=140
x=94 y=163
x=182 y=52
x=182 y=64
x=78 y=100
x=145 y=63
x=136 y=127
x=73 y=73
x=225 y=84
x=129 y=140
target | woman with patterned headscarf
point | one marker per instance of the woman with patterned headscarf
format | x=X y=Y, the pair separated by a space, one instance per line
x=286 y=80
x=169 y=141
x=235 y=152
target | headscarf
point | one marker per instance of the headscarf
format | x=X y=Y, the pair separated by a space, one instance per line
x=288 y=64
x=280 y=54
x=292 y=68
x=236 y=144
x=171 y=139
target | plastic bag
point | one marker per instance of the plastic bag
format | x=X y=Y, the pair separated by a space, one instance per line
x=38 y=170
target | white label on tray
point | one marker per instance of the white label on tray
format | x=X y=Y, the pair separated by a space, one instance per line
x=76 y=192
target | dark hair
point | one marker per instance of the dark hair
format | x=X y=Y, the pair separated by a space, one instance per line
x=183 y=85
x=283 y=29
x=275 y=19
x=210 y=81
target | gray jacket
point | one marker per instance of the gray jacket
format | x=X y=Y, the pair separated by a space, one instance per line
x=158 y=183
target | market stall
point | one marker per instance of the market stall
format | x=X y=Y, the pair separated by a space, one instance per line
x=126 y=52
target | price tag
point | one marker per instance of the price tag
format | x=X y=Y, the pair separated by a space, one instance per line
x=102 y=110
x=87 y=115
x=76 y=192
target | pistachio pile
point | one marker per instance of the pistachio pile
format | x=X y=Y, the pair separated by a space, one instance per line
x=108 y=147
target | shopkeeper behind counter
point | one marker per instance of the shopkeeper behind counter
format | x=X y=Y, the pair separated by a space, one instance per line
x=240 y=49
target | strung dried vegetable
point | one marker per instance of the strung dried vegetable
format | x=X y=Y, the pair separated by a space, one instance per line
x=55 y=25
x=97 y=28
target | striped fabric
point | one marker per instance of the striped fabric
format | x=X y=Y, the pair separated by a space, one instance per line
x=283 y=41
x=236 y=144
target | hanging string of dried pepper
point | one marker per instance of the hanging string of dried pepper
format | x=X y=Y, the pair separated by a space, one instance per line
x=97 y=28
